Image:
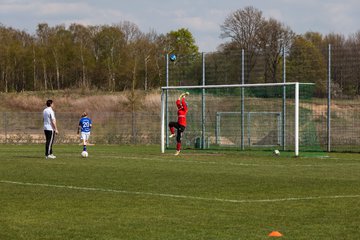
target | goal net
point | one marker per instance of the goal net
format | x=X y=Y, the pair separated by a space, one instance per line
x=261 y=128
x=242 y=116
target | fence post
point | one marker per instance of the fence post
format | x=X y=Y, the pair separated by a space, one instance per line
x=166 y=102
x=296 y=119
x=242 y=100
x=133 y=126
x=162 y=122
x=203 y=103
x=5 y=127
x=283 y=142
x=329 y=103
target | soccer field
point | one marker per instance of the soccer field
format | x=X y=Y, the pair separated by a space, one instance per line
x=135 y=192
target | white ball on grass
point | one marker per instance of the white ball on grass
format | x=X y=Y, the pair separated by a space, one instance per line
x=84 y=154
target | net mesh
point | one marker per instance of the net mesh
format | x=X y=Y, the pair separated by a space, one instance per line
x=245 y=118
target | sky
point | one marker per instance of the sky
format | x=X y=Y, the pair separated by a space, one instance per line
x=202 y=18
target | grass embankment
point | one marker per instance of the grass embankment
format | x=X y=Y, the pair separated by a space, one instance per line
x=78 y=101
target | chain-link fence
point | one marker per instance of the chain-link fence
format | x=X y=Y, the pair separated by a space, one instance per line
x=108 y=127
x=335 y=70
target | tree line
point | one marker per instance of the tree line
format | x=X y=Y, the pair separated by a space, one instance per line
x=121 y=57
x=267 y=41
x=111 y=58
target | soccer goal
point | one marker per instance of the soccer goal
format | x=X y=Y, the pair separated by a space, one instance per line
x=241 y=116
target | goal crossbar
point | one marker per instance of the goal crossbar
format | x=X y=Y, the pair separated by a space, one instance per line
x=235 y=85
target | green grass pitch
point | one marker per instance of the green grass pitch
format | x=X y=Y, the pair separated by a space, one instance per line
x=135 y=192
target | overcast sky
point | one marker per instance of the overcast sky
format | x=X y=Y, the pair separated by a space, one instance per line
x=202 y=17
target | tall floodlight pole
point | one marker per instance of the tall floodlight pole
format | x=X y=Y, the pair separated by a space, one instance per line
x=203 y=104
x=329 y=103
x=242 y=100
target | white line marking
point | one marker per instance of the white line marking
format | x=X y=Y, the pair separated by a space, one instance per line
x=180 y=196
x=239 y=164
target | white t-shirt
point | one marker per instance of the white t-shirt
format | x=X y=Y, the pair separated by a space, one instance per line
x=49 y=115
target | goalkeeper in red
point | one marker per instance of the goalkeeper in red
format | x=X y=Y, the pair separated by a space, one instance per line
x=180 y=125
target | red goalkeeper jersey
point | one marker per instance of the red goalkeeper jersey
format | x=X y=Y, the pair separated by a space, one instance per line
x=182 y=111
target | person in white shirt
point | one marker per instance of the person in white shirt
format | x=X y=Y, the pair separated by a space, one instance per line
x=50 y=128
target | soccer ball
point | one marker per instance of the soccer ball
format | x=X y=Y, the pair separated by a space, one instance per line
x=276 y=152
x=172 y=57
x=84 y=154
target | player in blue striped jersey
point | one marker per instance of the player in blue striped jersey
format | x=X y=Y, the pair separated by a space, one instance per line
x=84 y=129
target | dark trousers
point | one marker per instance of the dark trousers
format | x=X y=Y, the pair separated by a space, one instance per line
x=50 y=137
x=180 y=130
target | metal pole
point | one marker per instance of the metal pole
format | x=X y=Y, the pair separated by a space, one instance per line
x=133 y=126
x=296 y=119
x=217 y=129
x=162 y=122
x=329 y=103
x=249 y=129
x=242 y=100
x=5 y=127
x=283 y=142
x=166 y=101
x=279 y=115
x=203 y=103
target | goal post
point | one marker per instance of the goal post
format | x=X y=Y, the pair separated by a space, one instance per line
x=263 y=100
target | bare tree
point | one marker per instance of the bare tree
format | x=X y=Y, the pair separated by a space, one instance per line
x=338 y=71
x=273 y=39
x=82 y=38
x=352 y=64
x=133 y=40
x=43 y=42
x=244 y=28
x=108 y=48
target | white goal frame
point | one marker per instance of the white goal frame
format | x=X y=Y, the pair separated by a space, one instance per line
x=296 y=104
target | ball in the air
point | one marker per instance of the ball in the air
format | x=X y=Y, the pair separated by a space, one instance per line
x=172 y=57
x=276 y=152
x=84 y=154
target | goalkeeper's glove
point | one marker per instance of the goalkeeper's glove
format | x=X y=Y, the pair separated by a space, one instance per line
x=184 y=94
